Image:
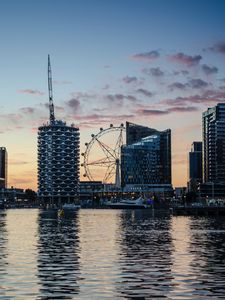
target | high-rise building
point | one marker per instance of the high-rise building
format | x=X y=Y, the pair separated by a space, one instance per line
x=146 y=159
x=195 y=166
x=213 y=126
x=195 y=162
x=58 y=158
x=3 y=167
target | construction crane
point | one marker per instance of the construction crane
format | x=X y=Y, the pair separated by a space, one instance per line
x=51 y=105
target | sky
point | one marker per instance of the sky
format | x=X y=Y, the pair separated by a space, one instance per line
x=151 y=62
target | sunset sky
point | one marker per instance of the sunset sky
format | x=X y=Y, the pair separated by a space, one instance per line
x=156 y=63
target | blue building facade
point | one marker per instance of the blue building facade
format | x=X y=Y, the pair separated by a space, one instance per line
x=146 y=159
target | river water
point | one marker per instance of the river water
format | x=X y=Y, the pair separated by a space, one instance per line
x=110 y=254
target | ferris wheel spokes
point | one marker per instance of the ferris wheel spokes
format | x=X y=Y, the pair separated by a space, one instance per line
x=101 y=162
x=119 y=143
x=110 y=172
x=106 y=149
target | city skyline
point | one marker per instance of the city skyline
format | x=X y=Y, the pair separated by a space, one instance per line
x=159 y=62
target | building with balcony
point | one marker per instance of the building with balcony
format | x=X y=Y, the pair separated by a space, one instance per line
x=58 y=162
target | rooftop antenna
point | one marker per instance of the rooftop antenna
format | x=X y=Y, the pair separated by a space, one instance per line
x=51 y=105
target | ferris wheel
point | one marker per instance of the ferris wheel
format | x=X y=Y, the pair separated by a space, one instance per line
x=101 y=159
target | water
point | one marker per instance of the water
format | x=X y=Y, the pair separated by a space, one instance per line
x=110 y=254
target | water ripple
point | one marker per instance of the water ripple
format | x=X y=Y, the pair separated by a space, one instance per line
x=110 y=254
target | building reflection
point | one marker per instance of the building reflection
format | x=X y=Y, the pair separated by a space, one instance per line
x=58 y=256
x=208 y=248
x=145 y=255
x=3 y=248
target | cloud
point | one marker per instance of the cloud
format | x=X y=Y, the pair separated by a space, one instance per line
x=153 y=72
x=59 y=108
x=209 y=97
x=219 y=47
x=131 y=98
x=151 y=112
x=177 y=85
x=145 y=92
x=157 y=112
x=14 y=118
x=119 y=98
x=27 y=110
x=17 y=162
x=146 y=56
x=187 y=60
x=31 y=92
x=209 y=70
x=197 y=83
x=74 y=104
x=192 y=83
x=83 y=96
x=88 y=121
x=15 y=181
x=182 y=72
x=130 y=79
x=183 y=109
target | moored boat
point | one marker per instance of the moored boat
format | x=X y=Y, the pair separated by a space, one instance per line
x=70 y=207
x=128 y=204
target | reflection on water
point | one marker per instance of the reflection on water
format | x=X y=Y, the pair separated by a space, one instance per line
x=20 y=257
x=110 y=254
x=58 y=260
x=208 y=249
x=3 y=252
x=99 y=253
x=145 y=255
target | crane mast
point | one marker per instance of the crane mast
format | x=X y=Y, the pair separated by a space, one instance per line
x=51 y=105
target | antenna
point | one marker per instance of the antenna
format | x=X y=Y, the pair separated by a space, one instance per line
x=51 y=105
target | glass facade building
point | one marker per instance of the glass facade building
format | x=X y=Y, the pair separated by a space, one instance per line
x=213 y=126
x=58 y=162
x=146 y=159
x=195 y=162
x=3 y=167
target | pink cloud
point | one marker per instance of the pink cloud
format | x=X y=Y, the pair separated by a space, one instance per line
x=27 y=110
x=146 y=56
x=209 y=97
x=31 y=92
x=184 y=59
x=157 y=112
x=219 y=47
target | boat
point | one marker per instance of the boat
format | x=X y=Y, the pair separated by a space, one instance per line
x=68 y=210
x=128 y=204
x=70 y=207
